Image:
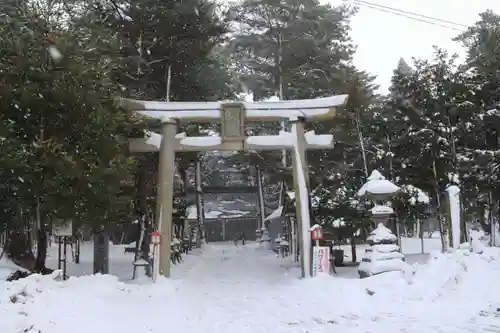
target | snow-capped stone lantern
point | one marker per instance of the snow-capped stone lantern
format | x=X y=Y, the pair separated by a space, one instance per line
x=380 y=190
x=383 y=254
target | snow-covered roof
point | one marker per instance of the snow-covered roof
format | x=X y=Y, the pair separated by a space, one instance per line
x=225 y=206
x=377 y=186
x=213 y=214
x=275 y=214
x=316 y=226
x=381 y=233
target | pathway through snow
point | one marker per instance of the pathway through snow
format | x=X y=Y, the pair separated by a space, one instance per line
x=229 y=289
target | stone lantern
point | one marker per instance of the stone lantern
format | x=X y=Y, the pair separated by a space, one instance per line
x=380 y=191
x=383 y=254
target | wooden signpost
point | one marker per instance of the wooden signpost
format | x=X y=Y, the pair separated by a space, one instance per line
x=316 y=233
x=321 y=254
x=233 y=116
x=155 y=241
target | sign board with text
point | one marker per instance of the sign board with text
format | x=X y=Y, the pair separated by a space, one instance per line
x=321 y=260
x=233 y=121
x=64 y=229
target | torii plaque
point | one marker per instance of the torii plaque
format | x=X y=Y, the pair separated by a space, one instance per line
x=232 y=116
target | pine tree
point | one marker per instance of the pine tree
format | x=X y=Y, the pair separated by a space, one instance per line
x=291 y=49
x=481 y=42
x=58 y=107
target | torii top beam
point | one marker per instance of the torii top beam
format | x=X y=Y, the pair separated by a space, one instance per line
x=310 y=109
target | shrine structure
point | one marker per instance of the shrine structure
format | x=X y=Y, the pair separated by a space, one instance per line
x=233 y=116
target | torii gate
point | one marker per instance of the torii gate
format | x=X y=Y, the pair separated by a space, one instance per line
x=233 y=116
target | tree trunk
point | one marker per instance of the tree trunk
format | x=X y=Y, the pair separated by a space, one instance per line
x=145 y=243
x=200 y=237
x=145 y=219
x=42 y=245
x=182 y=230
x=353 y=249
x=440 y=218
x=17 y=249
x=77 y=249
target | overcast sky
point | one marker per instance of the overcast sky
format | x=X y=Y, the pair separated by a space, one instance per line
x=383 y=38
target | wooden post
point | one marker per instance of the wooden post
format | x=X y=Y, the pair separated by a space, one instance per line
x=294 y=238
x=200 y=212
x=261 y=199
x=301 y=186
x=101 y=252
x=165 y=193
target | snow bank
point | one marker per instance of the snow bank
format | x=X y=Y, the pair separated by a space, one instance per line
x=461 y=273
x=31 y=301
x=244 y=290
x=447 y=291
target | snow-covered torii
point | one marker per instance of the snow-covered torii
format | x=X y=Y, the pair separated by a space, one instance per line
x=232 y=116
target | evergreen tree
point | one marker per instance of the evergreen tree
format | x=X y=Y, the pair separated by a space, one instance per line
x=291 y=48
x=166 y=48
x=58 y=108
x=481 y=42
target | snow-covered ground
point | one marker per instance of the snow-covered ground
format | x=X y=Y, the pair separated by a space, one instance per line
x=120 y=263
x=248 y=289
x=409 y=246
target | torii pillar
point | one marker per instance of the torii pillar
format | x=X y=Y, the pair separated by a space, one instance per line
x=302 y=193
x=164 y=203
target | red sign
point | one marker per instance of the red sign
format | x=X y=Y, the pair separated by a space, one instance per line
x=155 y=238
x=317 y=233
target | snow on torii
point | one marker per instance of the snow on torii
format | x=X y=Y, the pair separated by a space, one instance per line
x=200 y=112
x=314 y=109
x=232 y=116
